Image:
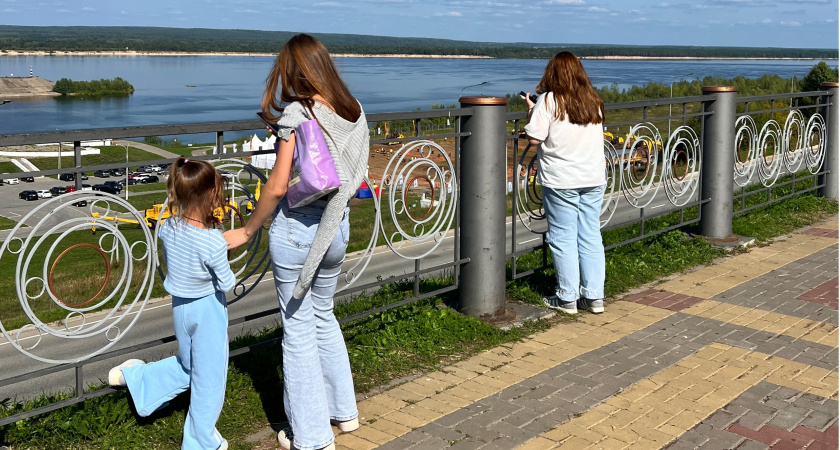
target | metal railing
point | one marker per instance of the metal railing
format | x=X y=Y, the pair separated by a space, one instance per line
x=654 y=176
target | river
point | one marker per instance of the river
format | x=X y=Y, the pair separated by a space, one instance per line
x=187 y=89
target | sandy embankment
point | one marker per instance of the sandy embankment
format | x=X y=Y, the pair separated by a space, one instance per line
x=21 y=87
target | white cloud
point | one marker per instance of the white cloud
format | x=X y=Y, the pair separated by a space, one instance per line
x=449 y=14
x=88 y=8
x=327 y=4
x=790 y=24
x=767 y=21
x=563 y=2
x=596 y=9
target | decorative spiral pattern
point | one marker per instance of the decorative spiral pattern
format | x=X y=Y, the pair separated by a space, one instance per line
x=776 y=148
x=529 y=205
x=814 y=139
x=410 y=171
x=613 y=173
x=793 y=141
x=252 y=259
x=53 y=270
x=681 y=170
x=746 y=149
x=640 y=163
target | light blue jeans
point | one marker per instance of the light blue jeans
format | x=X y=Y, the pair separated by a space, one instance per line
x=317 y=383
x=201 y=365
x=574 y=237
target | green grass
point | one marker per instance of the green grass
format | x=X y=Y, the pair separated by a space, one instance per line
x=7 y=224
x=413 y=339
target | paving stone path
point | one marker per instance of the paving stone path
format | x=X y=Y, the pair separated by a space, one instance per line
x=741 y=354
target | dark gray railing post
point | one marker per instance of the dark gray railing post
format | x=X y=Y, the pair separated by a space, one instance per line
x=831 y=114
x=77 y=163
x=718 y=170
x=482 y=205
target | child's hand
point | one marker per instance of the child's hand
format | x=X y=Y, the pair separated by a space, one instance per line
x=236 y=237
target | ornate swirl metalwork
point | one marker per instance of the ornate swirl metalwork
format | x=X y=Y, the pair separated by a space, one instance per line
x=529 y=205
x=640 y=157
x=775 y=147
x=242 y=181
x=814 y=140
x=681 y=168
x=409 y=172
x=121 y=274
x=613 y=173
x=793 y=141
x=746 y=150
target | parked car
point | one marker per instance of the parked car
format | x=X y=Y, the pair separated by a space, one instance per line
x=132 y=181
x=43 y=193
x=152 y=179
x=28 y=195
x=111 y=187
x=58 y=190
x=117 y=172
x=102 y=173
x=11 y=181
x=80 y=203
x=67 y=177
x=87 y=187
x=83 y=176
x=28 y=179
x=68 y=189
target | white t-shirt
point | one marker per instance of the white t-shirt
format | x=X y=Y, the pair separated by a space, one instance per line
x=571 y=156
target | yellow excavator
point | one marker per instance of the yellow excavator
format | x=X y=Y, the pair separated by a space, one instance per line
x=157 y=213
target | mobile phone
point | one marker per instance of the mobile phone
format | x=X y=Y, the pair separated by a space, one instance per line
x=533 y=96
x=273 y=126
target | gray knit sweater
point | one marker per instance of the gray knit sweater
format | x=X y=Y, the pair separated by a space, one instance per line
x=349 y=145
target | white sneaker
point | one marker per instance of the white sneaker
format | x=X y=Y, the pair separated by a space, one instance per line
x=346 y=425
x=115 y=376
x=285 y=438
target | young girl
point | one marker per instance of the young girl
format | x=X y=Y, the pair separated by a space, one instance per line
x=198 y=276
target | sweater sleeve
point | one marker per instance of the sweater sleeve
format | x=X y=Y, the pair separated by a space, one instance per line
x=293 y=115
x=220 y=267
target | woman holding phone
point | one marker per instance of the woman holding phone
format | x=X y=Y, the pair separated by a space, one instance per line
x=566 y=124
x=307 y=244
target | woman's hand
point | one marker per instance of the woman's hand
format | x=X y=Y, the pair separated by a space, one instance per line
x=236 y=237
x=528 y=101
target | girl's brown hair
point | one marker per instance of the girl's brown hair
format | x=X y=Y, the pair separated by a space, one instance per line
x=190 y=186
x=304 y=68
x=565 y=78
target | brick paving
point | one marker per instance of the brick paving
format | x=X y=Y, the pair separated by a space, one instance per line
x=741 y=354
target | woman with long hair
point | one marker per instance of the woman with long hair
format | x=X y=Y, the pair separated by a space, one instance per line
x=307 y=244
x=566 y=124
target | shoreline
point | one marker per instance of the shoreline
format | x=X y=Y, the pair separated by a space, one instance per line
x=359 y=55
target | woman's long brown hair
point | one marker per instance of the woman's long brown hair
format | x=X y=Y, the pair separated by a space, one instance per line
x=302 y=69
x=565 y=78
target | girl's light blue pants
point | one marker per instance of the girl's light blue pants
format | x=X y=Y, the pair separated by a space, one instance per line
x=201 y=365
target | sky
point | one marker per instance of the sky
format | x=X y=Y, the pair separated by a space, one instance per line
x=740 y=23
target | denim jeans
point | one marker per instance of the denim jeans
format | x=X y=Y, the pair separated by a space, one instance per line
x=201 y=365
x=317 y=383
x=574 y=237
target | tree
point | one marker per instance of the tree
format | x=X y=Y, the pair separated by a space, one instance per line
x=63 y=86
x=818 y=75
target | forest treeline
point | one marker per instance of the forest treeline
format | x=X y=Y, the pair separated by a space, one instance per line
x=94 y=88
x=152 y=39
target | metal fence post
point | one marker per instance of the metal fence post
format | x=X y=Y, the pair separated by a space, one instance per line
x=77 y=163
x=718 y=171
x=482 y=205
x=831 y=114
